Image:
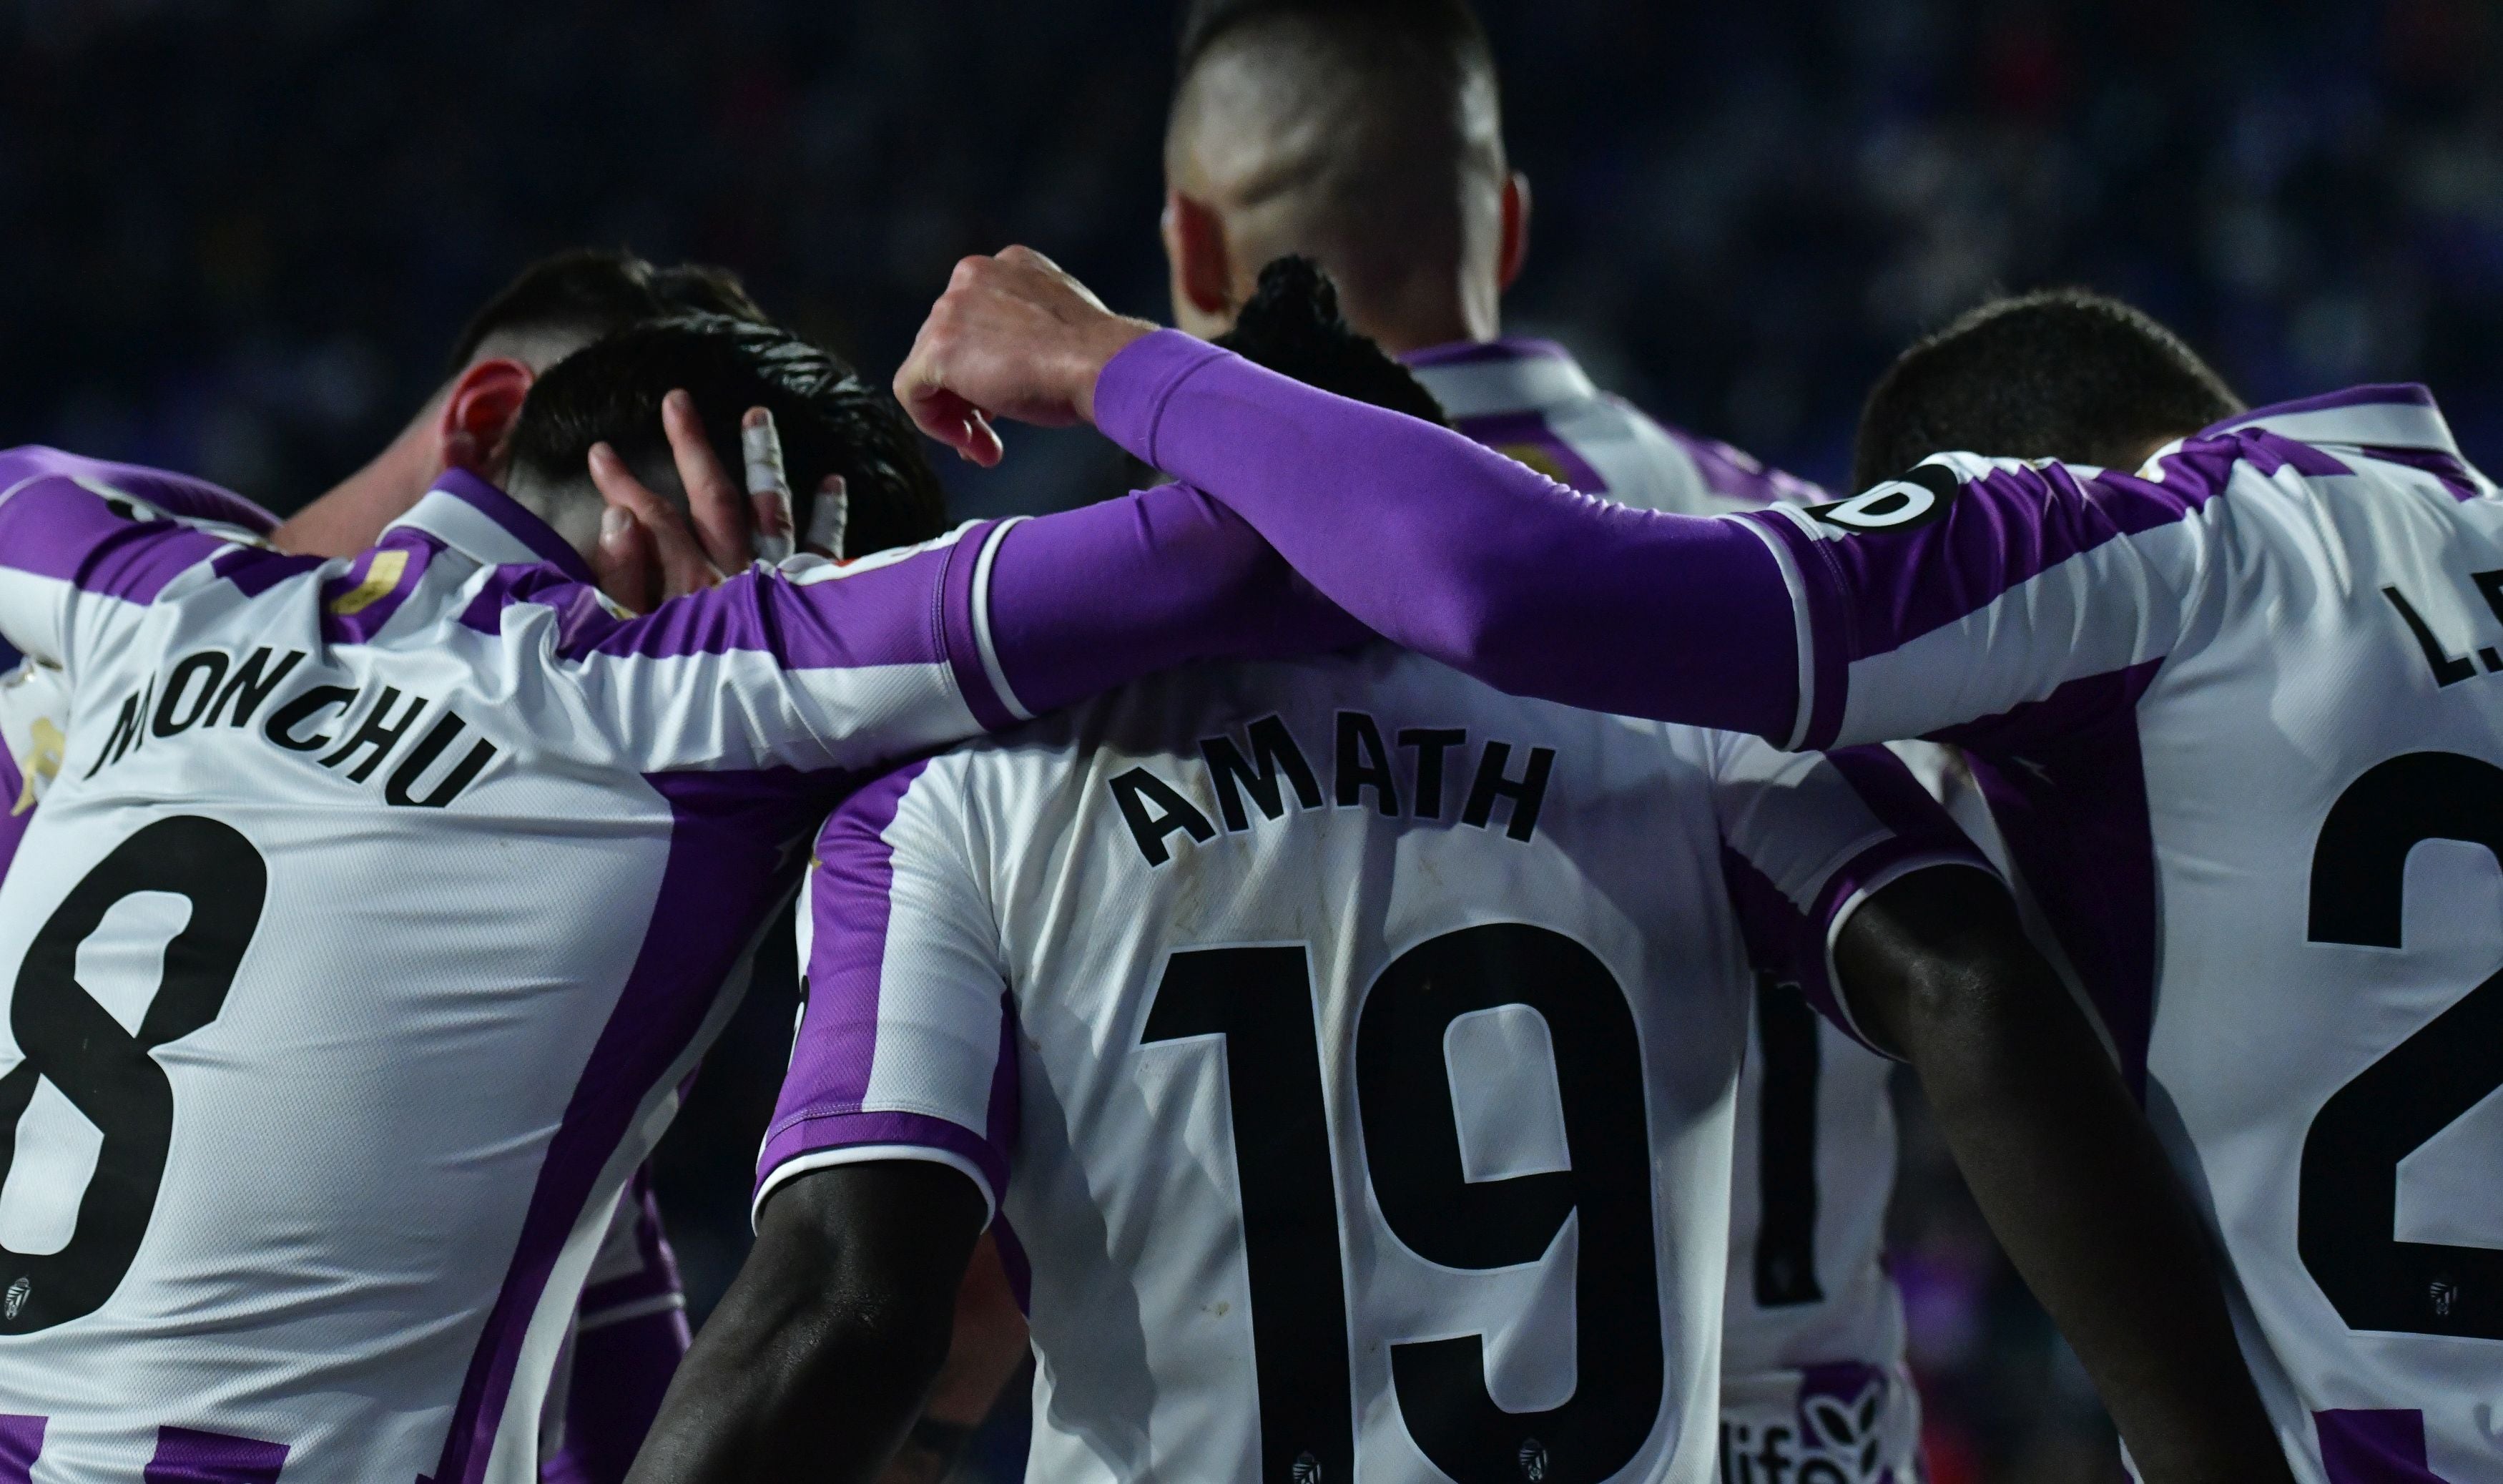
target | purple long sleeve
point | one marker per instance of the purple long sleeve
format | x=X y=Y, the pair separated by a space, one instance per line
x=1462 y=554
x=1090 y=599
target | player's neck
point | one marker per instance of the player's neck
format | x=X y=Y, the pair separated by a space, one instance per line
x=571 y=511
x=346 y=518
x=1423 y=322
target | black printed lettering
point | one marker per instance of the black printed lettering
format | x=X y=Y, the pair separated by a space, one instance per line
x=378 y=732
x=283 y=721
x=125 y=729
x=2447 y=669
x=1138 y=791
x=1526 y=795
x=249 y=687
x=1273 y=753
x=402 y=789
x=209 y=663
x=1431 y=742
x=1363 y=763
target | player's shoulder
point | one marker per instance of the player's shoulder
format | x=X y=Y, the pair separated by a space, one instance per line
x=132 y=492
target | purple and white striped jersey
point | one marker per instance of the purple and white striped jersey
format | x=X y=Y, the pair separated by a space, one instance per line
x=632 y=1331
x=1531 y=401
x=381 y=906
x=1348 y=1048
x=2240 y=716
x=1812 y=1324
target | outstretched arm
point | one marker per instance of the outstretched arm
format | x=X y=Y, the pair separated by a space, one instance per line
x=2064 y=1166
x=1960 y=592
x=823 y=1350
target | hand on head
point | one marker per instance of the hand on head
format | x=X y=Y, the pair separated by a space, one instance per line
x=1013 y=336
x=650 y=551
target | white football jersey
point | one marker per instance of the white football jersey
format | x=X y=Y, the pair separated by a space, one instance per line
x=1529 y=399
x=375 y=915
x=1349 y=1049
x=1812 y=1361
x=2239 y=718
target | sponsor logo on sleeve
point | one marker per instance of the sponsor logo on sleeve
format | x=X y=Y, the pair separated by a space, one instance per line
x=1918 y=498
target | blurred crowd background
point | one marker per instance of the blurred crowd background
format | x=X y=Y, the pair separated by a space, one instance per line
x=239 y=237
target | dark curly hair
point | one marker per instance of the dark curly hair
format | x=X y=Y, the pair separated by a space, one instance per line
x=831 y=421
x=1292 y=325
x=2064 y=374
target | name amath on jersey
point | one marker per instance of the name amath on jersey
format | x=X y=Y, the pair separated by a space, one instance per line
x=1244 y=952
x=2214 y=701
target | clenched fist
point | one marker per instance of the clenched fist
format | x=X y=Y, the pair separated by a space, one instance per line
x=1013 y=336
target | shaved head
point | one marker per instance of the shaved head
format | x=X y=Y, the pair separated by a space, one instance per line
x=1366 y=134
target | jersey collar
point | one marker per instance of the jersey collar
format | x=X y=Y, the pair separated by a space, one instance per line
x=490 y=527
x=2399 y=415
x=1516 y=374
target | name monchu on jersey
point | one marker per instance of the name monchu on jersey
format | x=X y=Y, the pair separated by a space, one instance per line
x=209 y=688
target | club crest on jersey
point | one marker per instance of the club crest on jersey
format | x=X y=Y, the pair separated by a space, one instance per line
x=1908 y=503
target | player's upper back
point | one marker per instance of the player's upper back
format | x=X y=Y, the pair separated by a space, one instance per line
x=1192 y=961
x=1530 y=400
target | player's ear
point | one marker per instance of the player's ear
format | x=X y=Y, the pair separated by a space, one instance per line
x=476 y=423
x=1203 y=276
x=1514 y=249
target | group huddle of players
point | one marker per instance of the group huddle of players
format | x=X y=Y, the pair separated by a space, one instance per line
x=1375 y=956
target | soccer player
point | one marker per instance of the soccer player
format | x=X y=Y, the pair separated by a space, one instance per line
x=633 y=1329
x=2219 y=700
x=1368 y=134
x=1362 y=1088
x=381 y=906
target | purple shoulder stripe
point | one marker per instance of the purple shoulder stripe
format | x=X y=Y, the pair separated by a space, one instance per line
x=59 y=530
x=849 y=905
x=518 y=522
x=1479 y=352
x=2000 y=527
x=177 y=494
x=2402 y=393
x=1733 y=473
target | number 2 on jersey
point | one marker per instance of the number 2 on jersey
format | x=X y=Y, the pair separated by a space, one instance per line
x=1260 y=1000
x=2346 y=1227
x=104 y=1070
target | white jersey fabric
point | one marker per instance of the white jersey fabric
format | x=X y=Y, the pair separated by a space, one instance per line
x=1813 y=1363
x=374 y=918
x=1351 y=1047
x=2238 y=717
x=1530 y=400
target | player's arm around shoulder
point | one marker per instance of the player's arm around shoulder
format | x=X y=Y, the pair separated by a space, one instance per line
x=1936 y=968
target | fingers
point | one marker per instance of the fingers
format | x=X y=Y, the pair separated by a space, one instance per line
x=624 y=562
x=769 y=488
x=681 y=563
x=829 y=516
x=716 y=505
x=945 y=416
